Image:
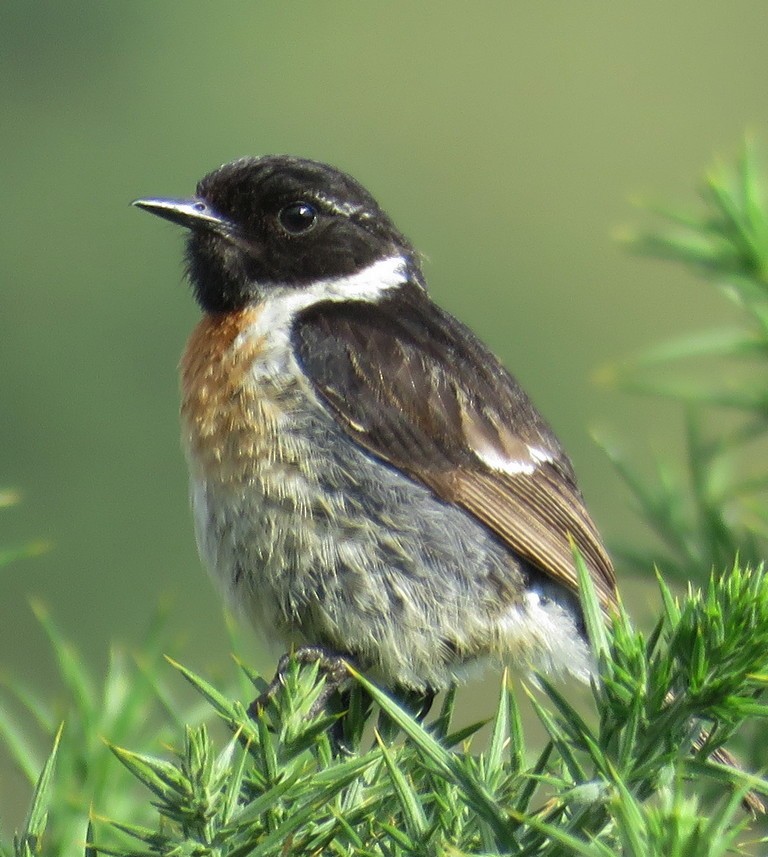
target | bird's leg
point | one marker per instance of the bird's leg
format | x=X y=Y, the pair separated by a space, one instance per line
x=427 y=699
x=332 y=664
x=418 y=702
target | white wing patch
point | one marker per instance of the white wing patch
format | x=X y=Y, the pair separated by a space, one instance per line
x=496 y=460
x=539 y=455
x=526 y=459
x=495 y=444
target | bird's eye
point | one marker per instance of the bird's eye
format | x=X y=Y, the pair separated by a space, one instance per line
x=298 y=217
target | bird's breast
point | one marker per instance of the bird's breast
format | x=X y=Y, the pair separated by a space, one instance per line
x=231 y=412
x=254 y=475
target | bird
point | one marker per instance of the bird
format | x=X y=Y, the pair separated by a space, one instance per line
x=368 y=482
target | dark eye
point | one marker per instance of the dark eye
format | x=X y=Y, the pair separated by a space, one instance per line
x=298 y=217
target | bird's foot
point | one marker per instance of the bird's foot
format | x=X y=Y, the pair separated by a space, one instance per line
x=332 y=664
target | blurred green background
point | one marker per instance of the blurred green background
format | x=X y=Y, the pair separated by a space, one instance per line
x=504 y=138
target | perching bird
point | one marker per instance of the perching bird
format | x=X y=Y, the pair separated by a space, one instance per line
x=368 y=481
x=366 y=477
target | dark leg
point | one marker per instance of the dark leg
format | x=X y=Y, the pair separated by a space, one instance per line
x=346 y=733
x=418 y=702
x=333 y=665
x=427 y=699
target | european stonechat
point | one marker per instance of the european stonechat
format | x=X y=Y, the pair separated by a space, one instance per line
x=366 y=477
x=368 y=481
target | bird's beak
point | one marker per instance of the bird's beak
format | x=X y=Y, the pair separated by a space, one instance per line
x=192 y=213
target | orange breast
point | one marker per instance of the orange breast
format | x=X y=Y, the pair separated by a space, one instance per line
x=226 y=424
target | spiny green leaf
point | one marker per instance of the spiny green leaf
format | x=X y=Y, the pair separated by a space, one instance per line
x=413 y=814
x=19 y=746
x=594 y=618
x=559 y=738
x=73 y=671
x=298 y=817
x=230 y=711
x=268 y=800
x=30 y=840
x=235 y=780
x=90 y=848
x=461 y=735
x=500 y=731
x=447 y=763
x=160 y=776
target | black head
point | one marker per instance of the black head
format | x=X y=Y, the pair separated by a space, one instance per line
x=258 y=223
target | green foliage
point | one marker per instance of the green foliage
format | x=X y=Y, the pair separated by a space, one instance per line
x=631 y=776
x=133 y=702
x=10 y=554
x=624 y=779
x=28 y=843
x=715 y=507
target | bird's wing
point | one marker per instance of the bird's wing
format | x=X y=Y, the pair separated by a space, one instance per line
x=417 y=389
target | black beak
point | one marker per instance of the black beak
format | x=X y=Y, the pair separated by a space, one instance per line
x=192 y=213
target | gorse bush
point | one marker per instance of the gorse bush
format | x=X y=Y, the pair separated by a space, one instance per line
x=633 y=776
x=294 y=782
x=714 y=505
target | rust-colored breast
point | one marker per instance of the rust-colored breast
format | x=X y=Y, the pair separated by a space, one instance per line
x=224 y=423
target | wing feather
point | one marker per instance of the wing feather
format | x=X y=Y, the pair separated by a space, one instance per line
x=418 y=390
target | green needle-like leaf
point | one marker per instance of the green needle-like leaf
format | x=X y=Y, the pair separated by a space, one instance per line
x=29 y=841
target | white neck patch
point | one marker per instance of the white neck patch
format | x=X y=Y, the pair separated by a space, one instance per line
x=366 y=285
x=283 y=303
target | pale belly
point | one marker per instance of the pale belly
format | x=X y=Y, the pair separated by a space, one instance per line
x=316 y=541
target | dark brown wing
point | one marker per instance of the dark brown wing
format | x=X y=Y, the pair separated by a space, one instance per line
x=417 y=389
